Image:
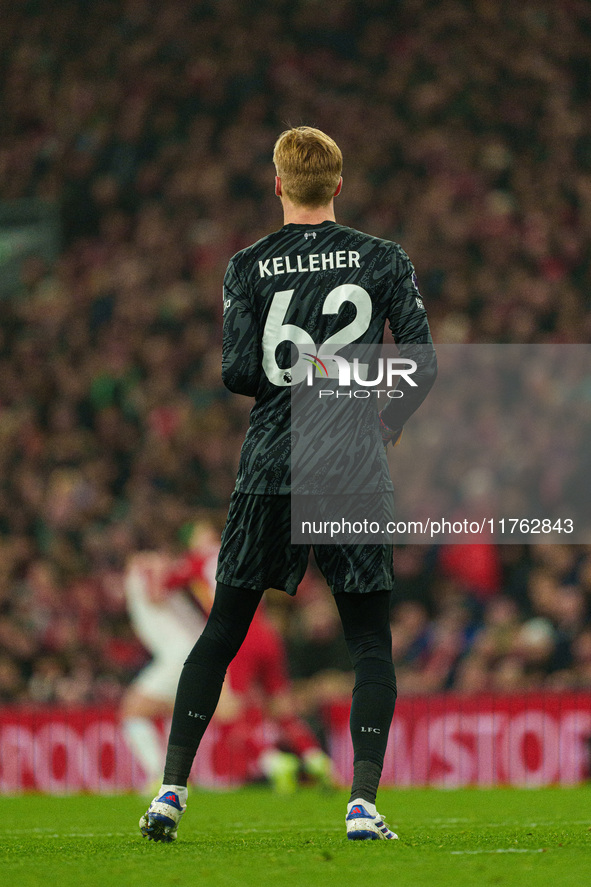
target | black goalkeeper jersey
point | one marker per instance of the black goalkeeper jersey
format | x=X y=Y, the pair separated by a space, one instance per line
x=303 y=285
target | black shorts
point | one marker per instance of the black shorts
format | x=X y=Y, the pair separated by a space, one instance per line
x=257 y=552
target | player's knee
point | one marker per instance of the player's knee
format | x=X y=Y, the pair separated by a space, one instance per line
x=374 y=645
x=211 y=653
x=224 y=634
x=232 y=612
x=375 y=671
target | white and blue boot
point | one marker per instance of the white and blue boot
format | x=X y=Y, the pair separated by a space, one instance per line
x=364 y=823
x=161 y=819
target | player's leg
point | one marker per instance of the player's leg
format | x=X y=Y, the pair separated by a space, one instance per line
x=256 y=553
x=203 y=674
x=366 y=625
x=361 y=578
x=197 y=696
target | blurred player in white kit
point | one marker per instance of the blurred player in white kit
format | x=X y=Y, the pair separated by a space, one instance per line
x=167 y=621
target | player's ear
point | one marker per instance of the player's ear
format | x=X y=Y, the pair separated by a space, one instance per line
x=277 y=186
x=339 y=186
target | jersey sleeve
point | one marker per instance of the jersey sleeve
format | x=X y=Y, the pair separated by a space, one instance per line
x=241 y=353
x=409 y=325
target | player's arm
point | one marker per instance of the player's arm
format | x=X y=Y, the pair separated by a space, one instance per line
x=241 y=356
x=410 y=328
x=150 y=569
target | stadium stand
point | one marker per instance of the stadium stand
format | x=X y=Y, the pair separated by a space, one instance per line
x=467 y=133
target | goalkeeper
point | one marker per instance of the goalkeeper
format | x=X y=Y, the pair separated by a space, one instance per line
x=311 y=280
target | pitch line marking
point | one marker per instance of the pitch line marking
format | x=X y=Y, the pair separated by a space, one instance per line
x=500 y=850
x=44 y=833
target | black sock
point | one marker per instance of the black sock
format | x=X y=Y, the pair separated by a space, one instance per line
x=179 y=761
x=372 y=708
x=366 y=778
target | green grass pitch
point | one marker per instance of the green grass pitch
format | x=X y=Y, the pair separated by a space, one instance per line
x=252 y=837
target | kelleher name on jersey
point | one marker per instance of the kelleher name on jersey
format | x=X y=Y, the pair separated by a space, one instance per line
x=342 y=258
x=338 y=287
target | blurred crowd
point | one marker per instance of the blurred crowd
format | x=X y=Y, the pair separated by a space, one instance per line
x=466 y=134
x=510 y=439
